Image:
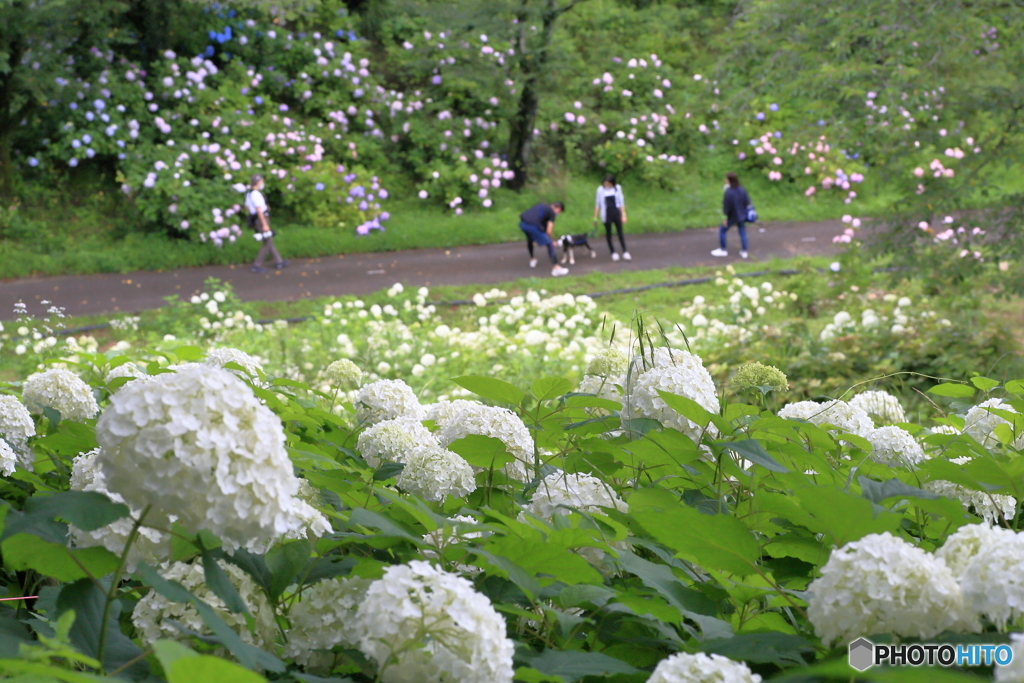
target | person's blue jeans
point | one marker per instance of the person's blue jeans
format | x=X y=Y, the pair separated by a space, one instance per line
x=724 y=228
x=534 y=233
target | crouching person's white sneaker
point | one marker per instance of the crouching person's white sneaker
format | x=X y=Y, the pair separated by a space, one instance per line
x=559 y=271
x=626 y=256
x=719 y=252
x=744 y=254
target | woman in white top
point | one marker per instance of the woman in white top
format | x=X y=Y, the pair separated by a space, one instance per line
x=256 y=205
x=610 y=205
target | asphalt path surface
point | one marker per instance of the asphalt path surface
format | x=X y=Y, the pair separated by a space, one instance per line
x=113 y=293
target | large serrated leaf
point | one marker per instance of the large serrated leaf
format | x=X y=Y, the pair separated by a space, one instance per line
x=491 y=389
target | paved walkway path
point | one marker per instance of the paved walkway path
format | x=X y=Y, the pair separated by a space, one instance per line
x=365 y=273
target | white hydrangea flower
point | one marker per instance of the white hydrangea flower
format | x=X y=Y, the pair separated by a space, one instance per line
x=434 y=473
x=980 y=424
x=150 y=546
x=683 y=667
x=993 y=581
x=881 y=405
x=882 y=584
x=963 y=544
x=343 y=372
x=800 y=410
x=16 y=428
x=944 y=429
x=988 y=506
x=324 y=618
x=198 y=445
x=387 y=399
x=223 y=356
x=603 y=386
x=442 y=412
x=423 y=624
x=498 y=423
x=8 y=459
x=392 y=440
x=153 y=613
x=677 y=372
x=608 y=362
x=583 y=492
x=130 y=370
x=895 y=447
x=61 y=390
x=1014 y=671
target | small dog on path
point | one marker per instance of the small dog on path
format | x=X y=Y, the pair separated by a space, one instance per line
x=570 y=242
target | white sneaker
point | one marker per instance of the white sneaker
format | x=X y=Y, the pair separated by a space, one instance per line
x=559 y=271
x=744 y=254
x=533 y=263
x=615 y=256
x=626 y=256
x=719 y=252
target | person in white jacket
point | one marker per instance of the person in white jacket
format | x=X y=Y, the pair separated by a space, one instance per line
x=610 y=206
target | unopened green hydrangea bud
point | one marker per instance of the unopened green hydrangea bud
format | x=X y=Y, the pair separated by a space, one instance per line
x=343 y=372
x=762 y=377
x=608 y=362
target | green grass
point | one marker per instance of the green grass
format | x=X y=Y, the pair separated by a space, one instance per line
x=95 y=234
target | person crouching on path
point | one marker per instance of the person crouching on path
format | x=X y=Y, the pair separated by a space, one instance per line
x=258 y=210
x=610 y=205
x=538 y=222
x=734 y=206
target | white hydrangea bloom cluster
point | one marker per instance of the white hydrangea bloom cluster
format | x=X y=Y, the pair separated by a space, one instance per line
x=944 y=429
x=343 y=372
x=393 y=440
x=980 y=424
x=882 y=584
x=583 y=492
x=443 y=412
x=498 y=423
x=880 y=405
x=839 y=413
x=1014 y=671
x=683 y=667
x=223 y=356
x=609 y=362
x=62 y=390
x=198 y=445
x=153 y=613
x=895 y=447
x=8 y=459
x=434 y=473
x=129 y=370
x=993 y=580
x=16 y=428
x=387 y=399
x=677 y=372
x=604 y=386
x=988 y=506
x=457 y=635
x=962 y=545
x=324 y=618
x=150 y=546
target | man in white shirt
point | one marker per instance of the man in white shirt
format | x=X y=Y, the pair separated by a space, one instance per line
x=257 y=207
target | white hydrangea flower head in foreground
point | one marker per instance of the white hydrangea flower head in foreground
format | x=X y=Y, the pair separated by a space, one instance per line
x=393 y=440
x=839 y=413
x=198 y=445
x=989 y=506
x=443 y=412
x=223 y=356
x=423 y=624
x=322 y=619
x=434 y=473
x=343 y=373
x=129 y=370
x=882 y=584
x=150 y=545
x=895 y=447
x=8 y=459
x=498 y=423
x=153 y=614
x=880 y=405
x=683 y=667
x=1014 y=671
x=62 y=390
x=980 y=423
x=993 y=581
x=559 y=493
x=16 y=428
x=963 y=544
x=387 y=399
x=677 y=372
x=603 y=386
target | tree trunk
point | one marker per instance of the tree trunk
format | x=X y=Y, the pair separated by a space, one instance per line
x=7 y=122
